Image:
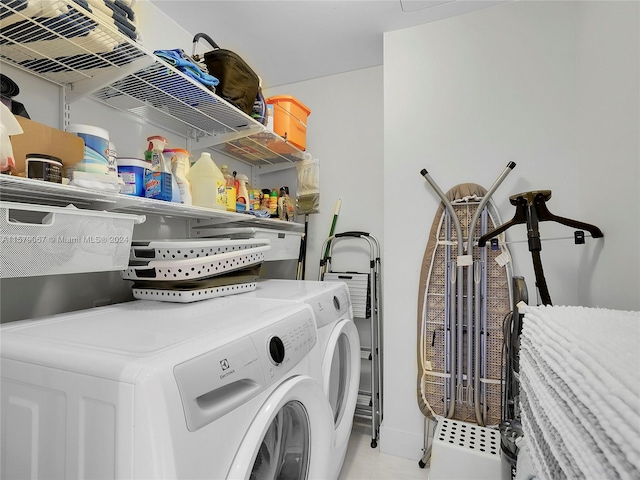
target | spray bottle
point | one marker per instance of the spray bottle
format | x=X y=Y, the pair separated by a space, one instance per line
x=158 y=179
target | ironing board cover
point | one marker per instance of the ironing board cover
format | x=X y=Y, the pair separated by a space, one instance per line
x=431 y=309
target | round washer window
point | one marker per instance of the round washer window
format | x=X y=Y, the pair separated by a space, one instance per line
x=284 y=452
x=339 y=377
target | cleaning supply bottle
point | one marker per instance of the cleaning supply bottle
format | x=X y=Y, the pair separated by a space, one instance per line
x=265 y=194
x=282 y=209
x=289 y=204
x=230 y=188
x=208 y=185
x=242 y=203
x=251 y=193
x=273 y=202
x=236 y=183
x=176 y=196
x=256 y=199
x=180 y=164
x=158 y=179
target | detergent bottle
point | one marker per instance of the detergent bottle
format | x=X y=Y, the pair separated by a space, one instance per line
x=230 y=188
x=208 y=185
x=176 y=196
x=243 y=201
x=180 y=165
x=158 y=179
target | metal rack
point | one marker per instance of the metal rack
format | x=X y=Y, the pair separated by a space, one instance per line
x=364 y=290
x=111 y=68
x=27 y=190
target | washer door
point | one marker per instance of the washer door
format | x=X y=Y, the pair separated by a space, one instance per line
x=341 y=374
x=290 y=437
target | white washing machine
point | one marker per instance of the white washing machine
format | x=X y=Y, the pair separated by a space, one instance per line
x=339 y=344
x=223 y=388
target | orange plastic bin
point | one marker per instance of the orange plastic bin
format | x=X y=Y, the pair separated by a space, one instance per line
x=290 y=119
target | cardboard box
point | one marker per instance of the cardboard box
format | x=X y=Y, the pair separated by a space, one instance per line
x=40 y=138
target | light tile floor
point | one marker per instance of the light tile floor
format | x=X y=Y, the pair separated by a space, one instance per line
x=365 y=463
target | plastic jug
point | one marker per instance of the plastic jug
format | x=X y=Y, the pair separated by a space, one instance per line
x=243 y=201
x=231 y=188
x=180 y=165
x=208 y=185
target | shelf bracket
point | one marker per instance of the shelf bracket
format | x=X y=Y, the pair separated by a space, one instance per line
x=212 y=140
x=65 y=110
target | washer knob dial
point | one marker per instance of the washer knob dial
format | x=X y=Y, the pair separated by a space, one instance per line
x=276 y=350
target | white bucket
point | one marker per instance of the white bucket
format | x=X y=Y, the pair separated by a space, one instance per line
x=96 y=148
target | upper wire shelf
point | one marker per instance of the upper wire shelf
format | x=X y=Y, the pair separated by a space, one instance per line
x=82 y=50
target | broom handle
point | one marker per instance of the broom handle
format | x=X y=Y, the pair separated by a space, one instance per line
x=336 y=212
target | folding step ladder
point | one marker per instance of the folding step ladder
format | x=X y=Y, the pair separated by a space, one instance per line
x=364 y=290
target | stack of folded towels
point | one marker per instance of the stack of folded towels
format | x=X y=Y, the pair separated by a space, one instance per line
x=580 y=392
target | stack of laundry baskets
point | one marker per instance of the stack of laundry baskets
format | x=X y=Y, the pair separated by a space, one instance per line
x=195 y=269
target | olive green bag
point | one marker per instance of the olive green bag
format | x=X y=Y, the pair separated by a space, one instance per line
x=239 y=84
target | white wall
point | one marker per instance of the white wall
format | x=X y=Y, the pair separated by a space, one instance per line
x=345 y=133
x=608 y=151
x=552 y=86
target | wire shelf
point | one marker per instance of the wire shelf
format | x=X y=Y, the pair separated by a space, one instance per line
x=27 y=190
x=83 y=51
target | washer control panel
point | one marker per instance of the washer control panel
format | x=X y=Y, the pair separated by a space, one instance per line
x=216 y=382
x=286 y=343
x=332 y=305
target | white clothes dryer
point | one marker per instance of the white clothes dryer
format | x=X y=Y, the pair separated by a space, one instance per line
x=339 y=344
x=223 y=388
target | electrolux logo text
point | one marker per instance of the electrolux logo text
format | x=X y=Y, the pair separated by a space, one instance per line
x=226 y=368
